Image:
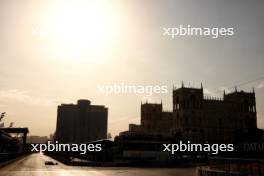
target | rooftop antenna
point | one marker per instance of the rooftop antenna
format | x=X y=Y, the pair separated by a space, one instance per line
x=173 y=87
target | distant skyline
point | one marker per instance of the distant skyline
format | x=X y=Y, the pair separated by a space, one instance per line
x=55 y=52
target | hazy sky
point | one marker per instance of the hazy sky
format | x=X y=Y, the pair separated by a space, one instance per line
x=54 y=52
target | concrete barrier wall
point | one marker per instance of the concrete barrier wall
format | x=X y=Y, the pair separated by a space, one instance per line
x=7 y=158
x=209 y=172
x=241 y=169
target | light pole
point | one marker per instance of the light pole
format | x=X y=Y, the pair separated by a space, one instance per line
x=2 y=116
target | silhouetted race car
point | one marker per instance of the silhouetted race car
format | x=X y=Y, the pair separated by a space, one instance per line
x=50 y=163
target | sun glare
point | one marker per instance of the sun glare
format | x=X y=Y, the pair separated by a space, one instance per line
x=81 y=29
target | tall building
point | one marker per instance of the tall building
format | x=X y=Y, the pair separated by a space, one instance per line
x=201 y=119
x=81 y=122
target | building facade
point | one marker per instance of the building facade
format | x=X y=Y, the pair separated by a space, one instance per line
x=201 y=119
x=153 y=119
x=81 y=122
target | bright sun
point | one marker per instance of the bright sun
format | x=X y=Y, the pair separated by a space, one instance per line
x=81 y=29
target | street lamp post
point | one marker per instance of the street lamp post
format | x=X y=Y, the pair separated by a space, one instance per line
x=2 y=116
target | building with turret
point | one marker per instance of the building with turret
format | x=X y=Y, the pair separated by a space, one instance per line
x=201 y=119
